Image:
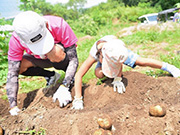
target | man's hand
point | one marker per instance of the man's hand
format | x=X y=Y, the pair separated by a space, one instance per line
x=14 y=111
x=118 y=85
x=77 y=103
x=63 y=95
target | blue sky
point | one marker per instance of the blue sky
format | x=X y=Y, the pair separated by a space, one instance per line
x=9 y=8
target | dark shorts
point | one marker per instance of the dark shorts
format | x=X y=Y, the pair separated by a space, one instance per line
x=46 y=63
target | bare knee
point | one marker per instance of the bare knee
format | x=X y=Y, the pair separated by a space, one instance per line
x=98 y=72
x=25 y=64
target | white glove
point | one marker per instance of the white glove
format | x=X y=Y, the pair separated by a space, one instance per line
x=14 y=111
x=77 y=103
x=118 y=85
x=63 y=95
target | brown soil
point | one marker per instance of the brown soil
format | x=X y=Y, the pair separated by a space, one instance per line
x=129 y=111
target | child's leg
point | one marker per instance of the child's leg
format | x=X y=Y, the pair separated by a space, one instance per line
x=98 y=71
x=144 y=62
x=158 y=64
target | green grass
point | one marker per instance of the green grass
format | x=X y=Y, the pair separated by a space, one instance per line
x=171 y=58
x=27 y=84
x=41 y=131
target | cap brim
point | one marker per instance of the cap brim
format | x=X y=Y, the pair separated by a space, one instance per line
x=109 y=69
x=44 y=46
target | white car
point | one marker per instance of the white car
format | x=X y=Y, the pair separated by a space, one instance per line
x=149 y=18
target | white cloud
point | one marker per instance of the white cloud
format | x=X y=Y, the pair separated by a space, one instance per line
x=90 y=3
x=57 y=1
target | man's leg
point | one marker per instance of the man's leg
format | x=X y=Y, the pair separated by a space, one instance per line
x=30 y=66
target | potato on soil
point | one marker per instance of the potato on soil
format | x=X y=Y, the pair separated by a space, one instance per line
x=102 y=132
x=104 y=121
x=99 y=132
x=157 y=110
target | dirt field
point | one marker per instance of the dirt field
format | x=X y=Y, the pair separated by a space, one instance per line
x=129 y=111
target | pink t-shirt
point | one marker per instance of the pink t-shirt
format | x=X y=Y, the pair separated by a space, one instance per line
x=59 y=29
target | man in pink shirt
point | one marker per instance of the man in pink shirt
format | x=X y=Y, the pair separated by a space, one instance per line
x=37 y=43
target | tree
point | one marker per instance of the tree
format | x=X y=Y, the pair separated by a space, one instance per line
x=39 y=6
x=45 y=8
x=166 y=4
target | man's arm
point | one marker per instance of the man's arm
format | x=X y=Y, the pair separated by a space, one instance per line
x=73 y=64
x=12 y=85
x=63 y=94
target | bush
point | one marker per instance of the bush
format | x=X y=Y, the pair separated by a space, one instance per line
x=86 y=25
x=3 y=59
x=4 y=40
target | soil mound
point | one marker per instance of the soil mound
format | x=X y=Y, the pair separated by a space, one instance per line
x=129 y=111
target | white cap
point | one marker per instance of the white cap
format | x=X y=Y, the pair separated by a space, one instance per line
x=114 y=54
x=31 y=28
